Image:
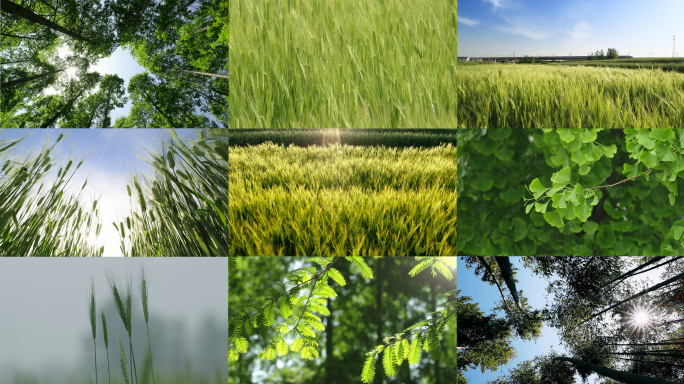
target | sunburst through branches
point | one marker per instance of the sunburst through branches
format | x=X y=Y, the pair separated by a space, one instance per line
x=638 y=318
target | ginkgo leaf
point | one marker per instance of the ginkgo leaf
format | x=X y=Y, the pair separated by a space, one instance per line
x=337 y=276
x=241 y=344
x=415 y=350
x=368 y=373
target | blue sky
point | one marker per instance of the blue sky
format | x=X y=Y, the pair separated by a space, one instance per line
x=562 y=27
x=108 y=168
x=534 y=289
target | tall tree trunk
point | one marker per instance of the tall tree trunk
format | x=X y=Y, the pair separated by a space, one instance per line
x=378 y=313
x=12 y=62
x=137 y=20
x=67 y=107
x=621 y=376
x=168 y=119
x=21 y=37
x=202 y=73
x=92 y=116
x=25 y=79
x=507 y=274
x=207 y=96
x=329 y=345
x=106 y=111
x=209 y=88
x=26 y=14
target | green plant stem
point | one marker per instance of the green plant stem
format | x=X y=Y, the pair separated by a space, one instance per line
x=109 y=374
x=150 y=347
x=95 y=347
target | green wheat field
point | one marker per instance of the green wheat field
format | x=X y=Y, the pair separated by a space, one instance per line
x=562 y=96
x=342 y=64
x=342 y=200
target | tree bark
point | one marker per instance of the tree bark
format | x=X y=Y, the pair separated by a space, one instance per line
x=26 y=14
x=202 y=73
x=104 y=118
x=623 y=377
x=204 y=86
x=61 y=111
x=168 y=119
x=329 y=345
x=21 y=37
x=25 y=79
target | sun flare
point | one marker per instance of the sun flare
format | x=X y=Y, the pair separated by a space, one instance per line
x=639 y=319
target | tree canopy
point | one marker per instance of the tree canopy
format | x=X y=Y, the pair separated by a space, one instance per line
x=182 y=44
x=610 y=322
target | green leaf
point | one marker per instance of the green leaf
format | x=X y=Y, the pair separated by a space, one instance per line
x=645 y=139
x=539 y=207
x=579 y=194
x=561 y=178
x=536 y=186
x=567 y=135
x=554 y=219
x=337 y=276
x=609 y=151
x=590 y=227
x=559 y=200
x=582 y=212
x=664 y=152
x=297 y=345
x=368 y=372
x=415 y=350
x=358 y=261
x=519 y=229
x=662 y=134
x=528 y=208
x=677 y=232
x=588 y=135
x=504 y=153
x=286 y=307
x=584 y=170
x=388 y=361
x=650 y=159
x=241 y=344
x=483 y=182
x=606 y=237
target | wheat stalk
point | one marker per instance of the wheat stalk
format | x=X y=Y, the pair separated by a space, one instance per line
x=104 y=329
x=122 y=360
x=93 y=319
x=143 y=294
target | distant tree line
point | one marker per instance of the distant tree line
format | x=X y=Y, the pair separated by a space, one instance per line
x=599 y=55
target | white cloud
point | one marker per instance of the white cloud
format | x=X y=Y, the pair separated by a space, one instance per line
x=528 y=31
x=467 y=21
x=496 y=3
x=581 y=31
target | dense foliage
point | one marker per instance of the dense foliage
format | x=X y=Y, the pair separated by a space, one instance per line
x=595 y=304
x=571 y=192
x=342 y=200
x=183 y=45
x=364 y=301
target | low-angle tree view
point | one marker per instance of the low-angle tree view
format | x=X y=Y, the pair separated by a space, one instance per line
x=48 y=48
x=603 y=319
